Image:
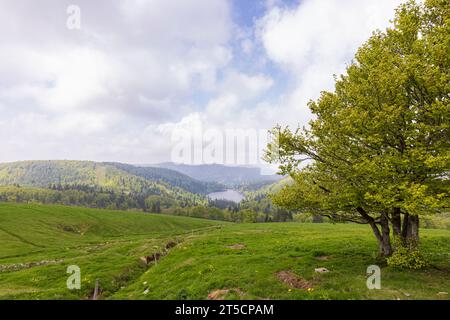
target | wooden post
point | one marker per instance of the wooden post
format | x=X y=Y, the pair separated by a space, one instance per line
x=96 y=290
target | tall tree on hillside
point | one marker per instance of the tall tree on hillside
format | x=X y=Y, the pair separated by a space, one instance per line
x=377 y=151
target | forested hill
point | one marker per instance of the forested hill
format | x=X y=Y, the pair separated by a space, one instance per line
x=228 y=175
x=114 y=176
x=172 y=177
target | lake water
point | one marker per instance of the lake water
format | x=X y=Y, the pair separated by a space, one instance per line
x=230 y=195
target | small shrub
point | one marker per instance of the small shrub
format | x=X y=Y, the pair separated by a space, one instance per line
x=318 y=253
x=407 y=258
x=183 y=294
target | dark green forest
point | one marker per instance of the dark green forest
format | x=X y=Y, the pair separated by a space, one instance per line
x=119 y=186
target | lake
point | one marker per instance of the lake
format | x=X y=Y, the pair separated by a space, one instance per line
x=230 y=195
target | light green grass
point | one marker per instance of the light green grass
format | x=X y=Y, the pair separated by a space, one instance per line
x=107 y=246
x=205 y=264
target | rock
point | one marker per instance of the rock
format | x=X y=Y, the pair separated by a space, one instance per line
x=407 y=294
x=442 y=293
x=218 y=294
x=152 y=258
x=143 y=260
x=321 y=270
x=146 y=291
x=170 y=245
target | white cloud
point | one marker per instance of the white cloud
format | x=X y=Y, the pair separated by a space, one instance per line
x=309 y=42
x=90 y=93
x=322 y=31
x=316 y=39
x=244 y=85
x=139 y=69
x=162 y=49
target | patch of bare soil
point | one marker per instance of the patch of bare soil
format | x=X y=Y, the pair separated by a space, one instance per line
x=218 y=294
x=292 y=280
x=221 y=294
x=237 y=246
x=151 y=258
x=323 y=258
x=155 y=257
x=170 y=245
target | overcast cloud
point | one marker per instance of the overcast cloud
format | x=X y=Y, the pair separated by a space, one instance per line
x=137 y=70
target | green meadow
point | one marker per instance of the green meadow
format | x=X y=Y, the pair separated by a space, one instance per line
x=209 y=259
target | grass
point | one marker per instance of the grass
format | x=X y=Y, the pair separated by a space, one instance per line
x=106 y=245
x=243 y=259
x=205 y=263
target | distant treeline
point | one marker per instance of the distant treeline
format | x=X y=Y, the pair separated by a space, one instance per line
x=255 y=210
x=95 y=197
x=80 y=195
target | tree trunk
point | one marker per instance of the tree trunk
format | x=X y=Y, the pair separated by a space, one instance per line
x=385 y=245
x=396 y=223
x=383 y=237
x=412 y=232
x=409 y=235
x=405 y=226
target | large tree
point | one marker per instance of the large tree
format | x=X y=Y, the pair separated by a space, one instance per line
x=377 y=149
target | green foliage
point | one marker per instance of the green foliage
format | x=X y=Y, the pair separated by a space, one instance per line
x=125 y=187
x=381 y=140
x=407 y=258
x=309 y=218
x=379 y=144
x=104 y=177
x=171 y=177
x=437 y=221
x=258 y=199
x=83 y=196
x=101 y=185
x=249 y=216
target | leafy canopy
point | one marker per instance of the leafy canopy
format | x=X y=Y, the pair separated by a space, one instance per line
x=381 y=139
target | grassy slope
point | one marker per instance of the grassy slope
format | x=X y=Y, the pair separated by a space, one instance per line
x=205 y=264
x=105 y=244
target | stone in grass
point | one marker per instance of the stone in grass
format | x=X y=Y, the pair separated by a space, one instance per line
x=146 y=291
x=442 y=293
x=321 y=270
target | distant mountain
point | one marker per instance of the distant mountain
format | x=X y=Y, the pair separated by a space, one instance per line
x=114 y=176
x=172 y=177
x=228 y=175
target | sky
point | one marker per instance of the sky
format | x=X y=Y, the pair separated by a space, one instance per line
x=136 y=81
